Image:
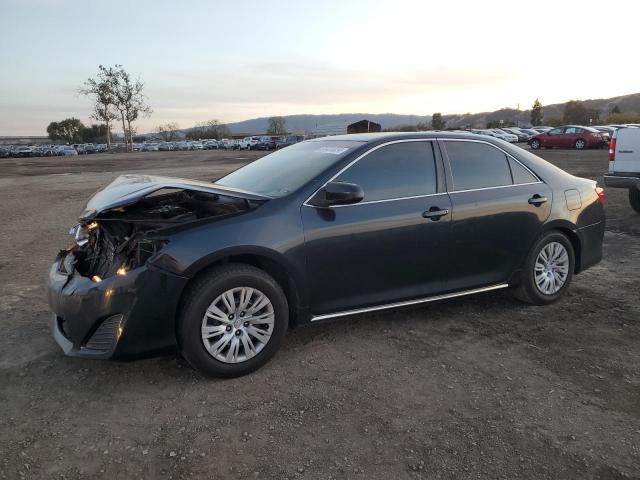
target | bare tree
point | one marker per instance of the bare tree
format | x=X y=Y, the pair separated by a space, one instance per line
x=102 y=90
x=168 y=131
x=129 y=101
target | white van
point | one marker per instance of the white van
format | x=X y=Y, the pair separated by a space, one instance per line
x=624 y=164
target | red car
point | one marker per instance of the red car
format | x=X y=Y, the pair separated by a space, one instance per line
x=570 y=136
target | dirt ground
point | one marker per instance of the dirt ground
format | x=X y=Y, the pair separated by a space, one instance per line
x=480 y=387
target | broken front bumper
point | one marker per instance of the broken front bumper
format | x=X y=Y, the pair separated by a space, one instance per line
x=118 y=317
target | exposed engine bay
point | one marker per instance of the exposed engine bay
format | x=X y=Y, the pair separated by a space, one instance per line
x=115 y=241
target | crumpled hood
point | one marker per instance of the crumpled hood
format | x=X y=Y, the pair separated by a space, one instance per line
x=128 y=189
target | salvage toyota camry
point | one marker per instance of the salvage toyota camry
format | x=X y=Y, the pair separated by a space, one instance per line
x=322 y=229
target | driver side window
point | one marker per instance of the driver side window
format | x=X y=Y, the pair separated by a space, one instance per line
x=399 y=170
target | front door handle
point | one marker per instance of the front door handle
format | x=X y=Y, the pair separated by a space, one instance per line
x=434 y=213
x=537 y=200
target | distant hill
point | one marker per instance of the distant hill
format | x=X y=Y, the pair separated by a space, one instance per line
x=307 y=123
x=626 y=103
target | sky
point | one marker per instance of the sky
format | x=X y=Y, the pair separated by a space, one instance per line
x=241 y=59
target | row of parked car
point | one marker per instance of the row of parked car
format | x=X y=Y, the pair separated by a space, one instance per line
x=155 y=146
x=247 y=143
x=567 y=136
x=265 y=142
x=23 y=151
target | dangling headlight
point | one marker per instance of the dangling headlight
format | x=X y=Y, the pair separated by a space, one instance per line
x=81 y=232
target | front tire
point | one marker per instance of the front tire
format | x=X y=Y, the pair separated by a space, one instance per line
x=548 y=270
x=535 y=144
x=634 y=199
x=232 y=321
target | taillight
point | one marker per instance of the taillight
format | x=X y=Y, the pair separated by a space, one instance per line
x=600 y=193
x=612 y=150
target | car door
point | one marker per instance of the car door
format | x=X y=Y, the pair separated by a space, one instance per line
x=389 y=247
x=554 y=138
x=571 y=134
x=498 y=208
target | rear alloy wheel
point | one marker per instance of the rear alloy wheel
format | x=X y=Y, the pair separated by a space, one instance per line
x=233 y=320
x=551 y=268
x=634 y=199
x=580 y=144
x=535 y=144
x=548 y=270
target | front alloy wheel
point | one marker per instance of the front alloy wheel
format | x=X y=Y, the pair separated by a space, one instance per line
x=232 y=321
x=535 y=144
x=237 y=325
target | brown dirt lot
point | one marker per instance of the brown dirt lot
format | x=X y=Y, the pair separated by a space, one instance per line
x=481 y=387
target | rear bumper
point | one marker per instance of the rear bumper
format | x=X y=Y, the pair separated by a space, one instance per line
x=622 y=181
x=118 y=317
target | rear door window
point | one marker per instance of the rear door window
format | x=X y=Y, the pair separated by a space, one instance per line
x=477 y=165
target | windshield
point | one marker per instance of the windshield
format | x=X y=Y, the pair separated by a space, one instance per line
x=286 y=170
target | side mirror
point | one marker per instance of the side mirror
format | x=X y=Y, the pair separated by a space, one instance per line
x=338 y=193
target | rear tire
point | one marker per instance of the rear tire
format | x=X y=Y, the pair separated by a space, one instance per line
x=546 y=275
x=580 y=144
x=535 y=144
x=206 y=350
x=634 y=199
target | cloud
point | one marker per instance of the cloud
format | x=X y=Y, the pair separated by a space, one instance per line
x=307 y=84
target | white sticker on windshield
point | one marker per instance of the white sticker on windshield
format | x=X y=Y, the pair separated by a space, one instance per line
x=332 y=150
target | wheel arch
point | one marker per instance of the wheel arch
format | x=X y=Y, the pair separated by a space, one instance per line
x=269 y=261
x=568 y=230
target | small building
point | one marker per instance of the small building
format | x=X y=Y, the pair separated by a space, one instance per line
x=364 y=126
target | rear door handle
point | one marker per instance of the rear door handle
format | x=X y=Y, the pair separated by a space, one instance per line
x=537 y=200
x=434 y=213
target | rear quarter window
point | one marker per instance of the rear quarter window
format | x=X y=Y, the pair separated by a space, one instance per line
x=521 y=174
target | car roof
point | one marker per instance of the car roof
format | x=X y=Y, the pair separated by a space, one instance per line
x=389 y=136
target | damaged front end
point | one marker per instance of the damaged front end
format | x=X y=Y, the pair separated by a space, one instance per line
x=121 y=225
x=110 y=248
x=106 y=296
